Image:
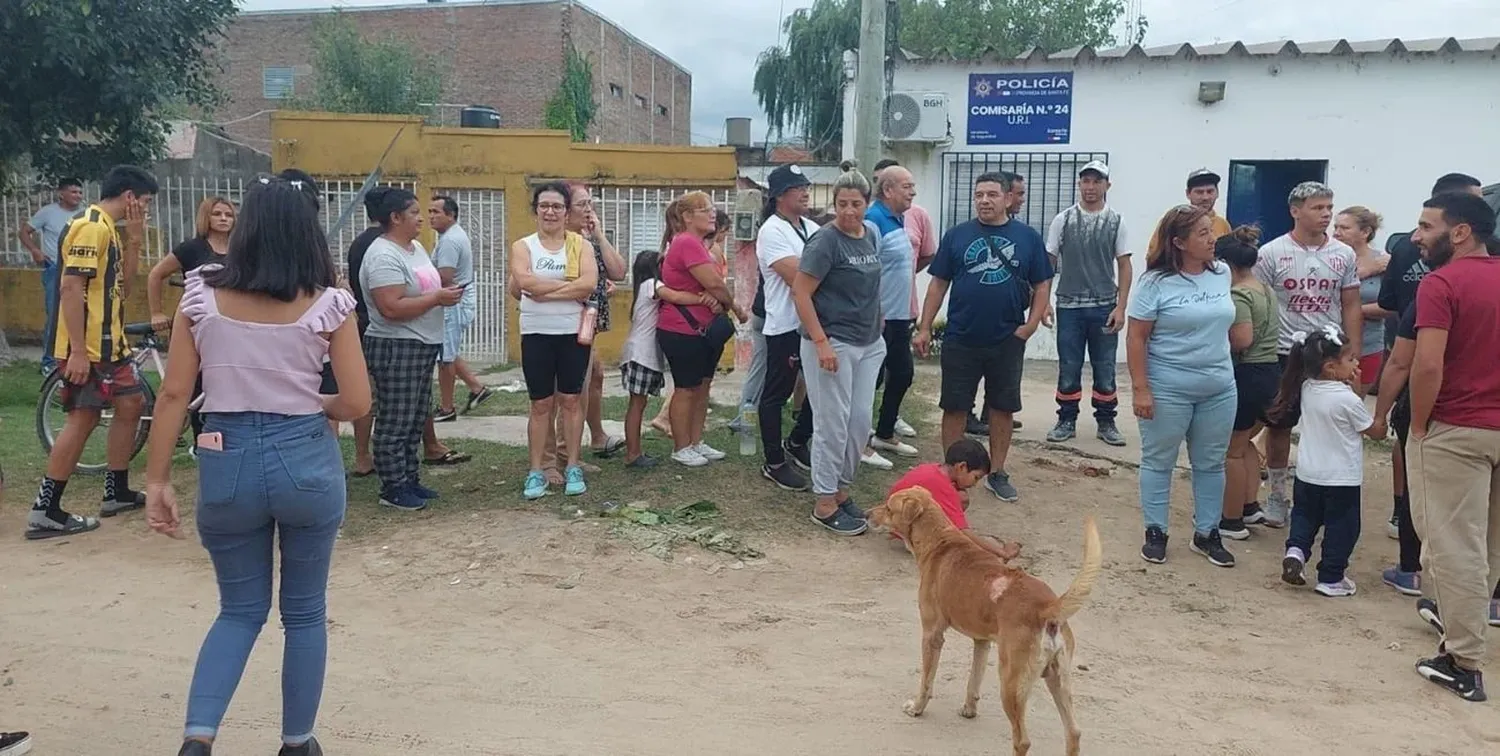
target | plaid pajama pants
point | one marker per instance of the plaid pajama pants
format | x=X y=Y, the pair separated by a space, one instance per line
x=401 y=376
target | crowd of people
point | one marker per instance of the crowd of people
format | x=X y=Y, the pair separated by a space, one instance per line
x=1226 y=339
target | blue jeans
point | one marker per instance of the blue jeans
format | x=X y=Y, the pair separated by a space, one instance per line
x=283 y=475
x=1080 y=330
x=1206 y=425
x=50 y=296
x=1333 y=510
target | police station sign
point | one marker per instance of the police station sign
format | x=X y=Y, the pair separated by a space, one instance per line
x=1020 y=108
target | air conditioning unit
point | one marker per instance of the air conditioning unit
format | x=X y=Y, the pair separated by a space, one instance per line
x=915 y=117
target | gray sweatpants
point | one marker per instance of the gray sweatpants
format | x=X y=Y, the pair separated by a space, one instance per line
x=843 y=403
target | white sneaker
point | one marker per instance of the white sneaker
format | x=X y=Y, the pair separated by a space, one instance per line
x=876 y=461
x=904 y=429
x=894 y=446
x=689 y=457
x=708 y=452
x=1340 y=589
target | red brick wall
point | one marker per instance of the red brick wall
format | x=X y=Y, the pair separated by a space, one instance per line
x=508 y=57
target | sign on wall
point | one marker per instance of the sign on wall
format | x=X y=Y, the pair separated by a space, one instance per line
x=1020 y=108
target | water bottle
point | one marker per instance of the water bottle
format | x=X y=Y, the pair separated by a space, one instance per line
x=747 y=436
x=587 y=324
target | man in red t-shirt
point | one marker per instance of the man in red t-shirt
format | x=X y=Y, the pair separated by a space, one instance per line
x=1454 y=451
x=964 y=464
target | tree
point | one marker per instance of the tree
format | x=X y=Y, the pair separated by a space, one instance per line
x=352 y=74
x=85 y=84
x=572 y=106
x=800 y=84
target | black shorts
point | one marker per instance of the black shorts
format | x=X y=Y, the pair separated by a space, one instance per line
x=329 y=386
x=691 y=357
x=1257 y=385
x=1294 y=413
x=553 y=363
x=999 y=366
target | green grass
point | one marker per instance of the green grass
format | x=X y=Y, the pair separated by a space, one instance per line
x=487 y=486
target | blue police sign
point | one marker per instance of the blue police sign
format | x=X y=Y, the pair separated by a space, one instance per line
x=1020 y=108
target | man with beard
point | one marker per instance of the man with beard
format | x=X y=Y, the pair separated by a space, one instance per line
x=1398 y=290
x=1313 y=277
x=1454 y=451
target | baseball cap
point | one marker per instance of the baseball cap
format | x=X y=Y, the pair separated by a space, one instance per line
x=1202 y=177
x=786 y=177
x=1097 y=166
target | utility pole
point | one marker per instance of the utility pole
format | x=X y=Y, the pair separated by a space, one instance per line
x=869 y=93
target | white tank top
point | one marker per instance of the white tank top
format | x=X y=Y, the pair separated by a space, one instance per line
x=548 y=317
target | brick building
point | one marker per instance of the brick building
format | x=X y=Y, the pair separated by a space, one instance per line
x=506 y=54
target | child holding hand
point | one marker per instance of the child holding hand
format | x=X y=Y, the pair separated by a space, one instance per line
x=1321 y=375
x=964 y=464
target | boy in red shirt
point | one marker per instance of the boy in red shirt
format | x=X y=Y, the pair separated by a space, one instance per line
x=964 y=464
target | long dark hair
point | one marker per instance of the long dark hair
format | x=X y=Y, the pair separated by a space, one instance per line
x=647 y=265
x=1176 y=225
x=277 y=247
x=384 y=201
x=1305 y=363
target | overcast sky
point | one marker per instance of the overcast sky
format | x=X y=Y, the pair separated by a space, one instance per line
x=718 y=41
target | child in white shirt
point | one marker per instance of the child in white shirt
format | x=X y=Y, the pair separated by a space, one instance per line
x=1322 y=370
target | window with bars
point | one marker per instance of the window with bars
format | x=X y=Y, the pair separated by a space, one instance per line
x=1051 y=182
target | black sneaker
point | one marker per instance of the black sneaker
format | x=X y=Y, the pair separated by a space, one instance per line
x=1234 y=529
x=976 y=427
x=17 y=743
x=848 y=507
x=477 y=399
x=1443 y=670
x=189 y=748
x=800 y=456
x=1110 y=434
x=785 y=477
x=1211 y=546
x=1253 y=514
x=310 y=748
x=445 y=416
x=840 y=523
x=1427 y=609
x=1155 y=550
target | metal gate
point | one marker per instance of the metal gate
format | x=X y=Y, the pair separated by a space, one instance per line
x=481 y=212
x=634 y=218
x=1051 y=182
x=337 y=194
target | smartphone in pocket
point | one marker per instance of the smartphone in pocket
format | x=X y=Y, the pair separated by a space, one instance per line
x=211 y=441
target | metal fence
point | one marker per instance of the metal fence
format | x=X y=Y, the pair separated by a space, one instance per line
x=481 y=213
x=1051 y=182
x=634 y=218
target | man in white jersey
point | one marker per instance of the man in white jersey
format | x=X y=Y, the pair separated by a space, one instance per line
x=1315 y=283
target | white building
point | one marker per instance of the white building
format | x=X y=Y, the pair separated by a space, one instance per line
x=1377 y=121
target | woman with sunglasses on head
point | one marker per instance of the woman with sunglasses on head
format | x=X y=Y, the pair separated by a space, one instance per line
x=405 y=296
x=1182 y=376
x=258 y=328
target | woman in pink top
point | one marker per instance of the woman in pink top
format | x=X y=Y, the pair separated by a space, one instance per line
x=269 y=468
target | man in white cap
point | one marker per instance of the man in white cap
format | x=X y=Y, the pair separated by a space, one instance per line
x=1088 y=249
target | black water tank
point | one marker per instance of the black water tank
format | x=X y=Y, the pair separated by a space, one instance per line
x=479 y=117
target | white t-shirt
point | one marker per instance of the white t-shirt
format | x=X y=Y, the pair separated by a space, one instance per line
x=552 y=317
x=778 y=240
x=640 y=344
x=1330 y=451
x=1309 y=284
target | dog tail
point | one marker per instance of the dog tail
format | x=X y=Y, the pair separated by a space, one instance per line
x=1073 y=599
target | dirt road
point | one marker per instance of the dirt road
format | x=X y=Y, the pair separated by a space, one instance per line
x=520 y=634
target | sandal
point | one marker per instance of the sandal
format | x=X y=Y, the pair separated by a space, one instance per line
x=450 y=457
x=74 y=525
x=611 y=445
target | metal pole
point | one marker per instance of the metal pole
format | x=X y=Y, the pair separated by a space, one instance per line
x=869 y=84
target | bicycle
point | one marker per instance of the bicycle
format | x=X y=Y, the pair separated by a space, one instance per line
x=145 y=353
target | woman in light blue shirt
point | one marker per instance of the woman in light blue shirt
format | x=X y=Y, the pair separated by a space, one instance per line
x=1182 y=375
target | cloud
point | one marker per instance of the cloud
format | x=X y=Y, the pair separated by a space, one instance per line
x=718 y=41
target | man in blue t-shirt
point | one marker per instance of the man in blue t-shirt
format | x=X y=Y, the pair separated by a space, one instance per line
x=1001 y=282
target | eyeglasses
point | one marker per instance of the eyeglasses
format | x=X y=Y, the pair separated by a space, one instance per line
x=551 y=207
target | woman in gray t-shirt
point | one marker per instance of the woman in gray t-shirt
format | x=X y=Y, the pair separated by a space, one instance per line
x=406 y=298
x=837 y=295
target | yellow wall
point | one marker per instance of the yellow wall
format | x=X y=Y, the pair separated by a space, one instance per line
x=328 y=144
x=22 y=314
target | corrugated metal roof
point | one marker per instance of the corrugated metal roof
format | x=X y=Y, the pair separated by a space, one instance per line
x=1392 y=46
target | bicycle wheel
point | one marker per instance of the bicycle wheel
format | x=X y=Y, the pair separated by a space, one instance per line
x=50 y=418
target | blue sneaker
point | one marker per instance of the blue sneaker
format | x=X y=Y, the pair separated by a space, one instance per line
x=536 y=485
x=424 y=491
x=998 y=483
x=404 y=498
x=1405 y=583
x=848 y=507
x=575 y=485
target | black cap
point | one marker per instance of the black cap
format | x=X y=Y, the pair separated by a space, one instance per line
x=786 y=177
x=1202 y=177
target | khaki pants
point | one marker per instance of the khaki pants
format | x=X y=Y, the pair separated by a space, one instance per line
x=1454 y=476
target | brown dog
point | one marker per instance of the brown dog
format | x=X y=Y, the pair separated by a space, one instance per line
x=972 y=590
